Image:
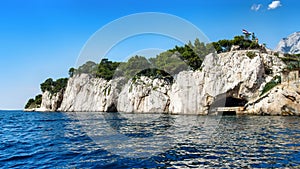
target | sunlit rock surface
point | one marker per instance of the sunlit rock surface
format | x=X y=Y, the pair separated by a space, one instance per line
x=291 y=44
x=234 y=74
x=85 y=93
x=283 y=99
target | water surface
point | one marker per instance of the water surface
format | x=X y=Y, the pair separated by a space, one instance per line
x=92 y=140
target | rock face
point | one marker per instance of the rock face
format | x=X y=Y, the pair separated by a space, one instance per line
x=50 y=102
x=84 y=93
x=145 y=95
x=284 y=99
x=187 y=93
x=238 y=74
x=230 y=73
x=291 y=44
x=193 y=92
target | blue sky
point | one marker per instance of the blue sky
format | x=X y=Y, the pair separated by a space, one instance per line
x=42 y=39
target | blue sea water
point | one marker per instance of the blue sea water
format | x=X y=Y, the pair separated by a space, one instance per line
x=116 y=140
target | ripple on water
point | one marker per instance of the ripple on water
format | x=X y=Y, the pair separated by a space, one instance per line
x=47 y=140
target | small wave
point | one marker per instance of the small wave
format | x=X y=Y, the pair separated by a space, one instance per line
x=54 y=140
x=17 y=157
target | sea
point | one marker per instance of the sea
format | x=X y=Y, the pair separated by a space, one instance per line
x=123 y=140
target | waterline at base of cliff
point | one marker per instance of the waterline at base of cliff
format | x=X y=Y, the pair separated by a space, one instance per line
x=222 y=76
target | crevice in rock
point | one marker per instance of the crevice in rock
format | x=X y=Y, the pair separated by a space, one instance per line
x=140 y=102
x=292 y=98
x=166 y=109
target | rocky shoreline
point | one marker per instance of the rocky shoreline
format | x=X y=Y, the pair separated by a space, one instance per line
x=227 y=79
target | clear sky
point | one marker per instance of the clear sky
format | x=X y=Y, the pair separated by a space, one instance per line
x=43 y=38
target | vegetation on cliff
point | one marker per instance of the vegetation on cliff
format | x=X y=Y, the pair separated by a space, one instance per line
x=240 y=41
x=187 y=57
x=54 y=86
x=291 y=60
x=173 y=61
x=165 y=65
x=105 y=69
x=50 y=86
x=274 y=82
x=34 y=102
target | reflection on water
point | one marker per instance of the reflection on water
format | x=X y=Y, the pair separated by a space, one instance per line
x=201 y=141
x=117 y=140
x=143 y=135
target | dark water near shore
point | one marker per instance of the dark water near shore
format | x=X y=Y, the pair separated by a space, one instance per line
x=97 y=140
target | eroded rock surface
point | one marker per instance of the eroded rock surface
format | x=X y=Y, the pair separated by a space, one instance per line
x=283 y=99
x=85 y=93
x=233 y=74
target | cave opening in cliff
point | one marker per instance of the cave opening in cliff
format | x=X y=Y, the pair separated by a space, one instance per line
x=235 y=102
x=112 y=108
x=226 y=102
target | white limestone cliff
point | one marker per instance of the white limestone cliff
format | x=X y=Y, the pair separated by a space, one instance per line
x=194 y=91
x=85 y=93
x=234 y=74
x=144 y=95
x=283 y=99
x=50 y=102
